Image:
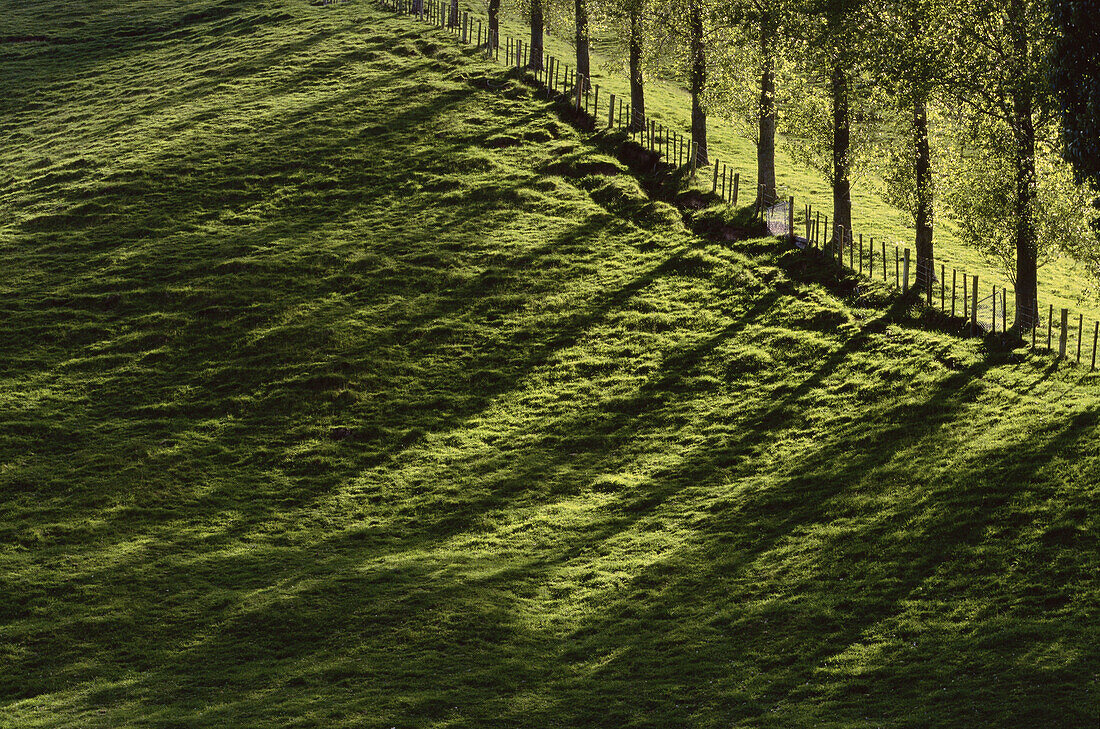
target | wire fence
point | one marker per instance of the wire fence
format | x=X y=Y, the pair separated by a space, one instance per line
x=977 y=308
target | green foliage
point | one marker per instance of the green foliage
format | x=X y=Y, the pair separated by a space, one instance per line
x=1075 y=75
x=977 y=179
x=807 y=122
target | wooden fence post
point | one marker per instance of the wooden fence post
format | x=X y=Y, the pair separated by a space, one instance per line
x=1064 y=333
x=861 y=254
x=954 y=283
x=943 y=288
x=1050 y=327
x=974 y=306
x=966 y=297
x=693 y=151
x=714 y=185
x=850 y=239
x=905 y=274
x=1095 y=334
x=736 y=183
x=993 y=315
x=790 y=218
x=1080 y=334
x=611 y=113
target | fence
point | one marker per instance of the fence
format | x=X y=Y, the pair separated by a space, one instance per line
x=978 y=314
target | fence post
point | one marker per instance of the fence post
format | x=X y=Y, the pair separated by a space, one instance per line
x=714 y=185
x=1095 y=334
x=1004 y=310
x=943 y=288
x=693 y=151
x=736 y=183
x=1050 y=326
x=790 y=218
x=905 y=274
x=897 y=267
x=1080 y=334
x=966 y=298
x=1064 y=333
x=954 y=282
x=974 y=306
x=993 y=327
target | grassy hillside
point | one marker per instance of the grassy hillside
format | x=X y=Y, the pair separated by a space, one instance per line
x=344 y=384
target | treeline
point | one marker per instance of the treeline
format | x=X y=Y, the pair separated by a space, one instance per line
x=986 y=110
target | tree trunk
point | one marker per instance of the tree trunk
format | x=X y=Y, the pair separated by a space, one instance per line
x=1027 y=249
x=765 y=148
x=842 y=153
x=453 y=20
x=537 y=33
x=637 y=82
x=925 y=213
x=494 y=24
x=584 y=72
x=698 y=82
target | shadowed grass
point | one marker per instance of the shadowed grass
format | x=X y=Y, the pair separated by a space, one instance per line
x=344 y=384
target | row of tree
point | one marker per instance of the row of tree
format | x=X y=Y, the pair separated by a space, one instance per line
x=966 y=106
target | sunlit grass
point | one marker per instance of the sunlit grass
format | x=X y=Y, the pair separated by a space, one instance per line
x=335 y=392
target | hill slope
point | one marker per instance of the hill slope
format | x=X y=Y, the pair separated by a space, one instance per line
x=344 y=384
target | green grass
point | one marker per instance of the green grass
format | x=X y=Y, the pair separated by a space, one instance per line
x=341 y=385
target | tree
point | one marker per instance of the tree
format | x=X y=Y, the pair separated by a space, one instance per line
x=1006 y=48
x=537 y=34
x=749 y=41
x=698 y=80
x=494 y=24
x=584 y=64
x=683 y=48
x=1075 y=77
x=915 y=57
x=835 y=52
x=636 y=10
